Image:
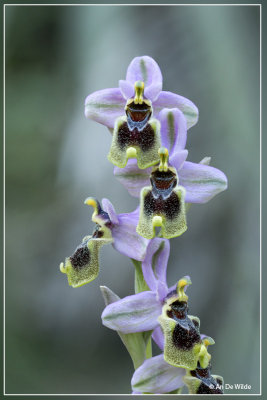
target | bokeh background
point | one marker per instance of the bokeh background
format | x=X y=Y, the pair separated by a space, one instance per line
x=55 y=158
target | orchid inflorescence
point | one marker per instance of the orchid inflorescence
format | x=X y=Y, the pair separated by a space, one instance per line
x=149 y=133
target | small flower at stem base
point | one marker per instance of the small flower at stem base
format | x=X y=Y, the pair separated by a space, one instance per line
x=200 y=381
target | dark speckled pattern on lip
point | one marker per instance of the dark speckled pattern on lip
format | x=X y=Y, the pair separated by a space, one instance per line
x=81 y=256
x=144 y=138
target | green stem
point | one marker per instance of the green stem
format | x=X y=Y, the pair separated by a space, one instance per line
x=139 y=282
x=140 y=285
x=135 y=344
x=149 y=348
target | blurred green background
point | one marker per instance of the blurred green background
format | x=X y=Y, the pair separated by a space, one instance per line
x=55 y=158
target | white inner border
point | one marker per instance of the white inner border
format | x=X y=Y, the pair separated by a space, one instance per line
x=260 y=166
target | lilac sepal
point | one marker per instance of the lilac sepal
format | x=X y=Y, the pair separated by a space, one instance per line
x=136 y=313
x=177 y=160
x=125 y=238
x=201 y=182
x=147 y=70
x=157 y=376
x=127 y=89
x=172 y=100
x=173 y=129
x=174 y=135
x=154 y=266
x=105 y=106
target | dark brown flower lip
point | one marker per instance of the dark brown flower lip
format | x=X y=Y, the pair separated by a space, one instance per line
x=81 y=256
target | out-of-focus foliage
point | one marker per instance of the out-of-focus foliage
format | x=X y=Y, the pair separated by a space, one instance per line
x=55 y=158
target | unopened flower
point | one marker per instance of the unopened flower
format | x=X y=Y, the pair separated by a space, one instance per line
x=119 y=229
x=201 y=181
x=162 y=203
x=105 y=106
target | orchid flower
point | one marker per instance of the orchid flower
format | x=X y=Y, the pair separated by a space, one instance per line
x=120 y=230
x=201 y=181
x=162 y=203
x=144 y=311
x=155 y=375
x=136 y=134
